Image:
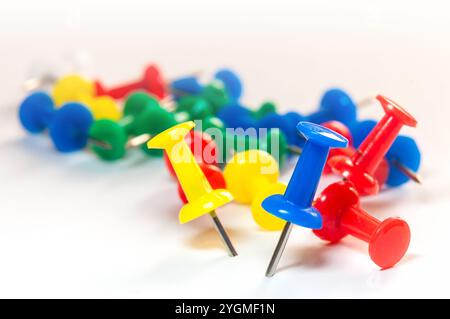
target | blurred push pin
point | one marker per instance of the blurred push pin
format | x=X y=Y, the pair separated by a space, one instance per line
x=202 y=198
x=361 y=167
x=342 y=215
x=68 y=126
x=151 y=81
x=295 y=205
x=190 y=85
x=251 y=176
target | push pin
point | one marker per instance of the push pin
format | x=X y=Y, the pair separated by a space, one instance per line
x=68 y=126
x=75 y=88
x=226 y=78
x=204 y=149
x=342 y=215
x=335 y=105
x=151 y=81
x=382 y=171
x=214 y=176
x=295 y=205
x=251 y=176
x=360 y=168
x=403 y=157
x=202 y=198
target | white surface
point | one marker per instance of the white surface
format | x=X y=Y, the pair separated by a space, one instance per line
x=72 y=226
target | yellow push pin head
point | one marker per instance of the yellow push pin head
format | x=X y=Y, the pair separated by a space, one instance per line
x=251 y=176
x=72 y=88
x=202 y=199
x=104 y=107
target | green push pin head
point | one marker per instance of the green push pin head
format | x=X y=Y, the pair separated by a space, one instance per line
x=216 y=96
x=135 y=104
x=112 y=133
x=197 y=107
x=153 y=121
x=265 y=109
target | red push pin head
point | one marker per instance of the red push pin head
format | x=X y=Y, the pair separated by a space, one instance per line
x=152 y=81
x=361 y=167
x=342 y=215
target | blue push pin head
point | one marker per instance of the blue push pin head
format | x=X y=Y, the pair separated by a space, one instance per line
x=275 y=120
x=36 y=112
x=360 y=130
x=186 y=85
x=294 y=118
x=69 y=129
x=335 y=105
x=404 y=161
x=236 y=116
x=231 y=82
x=295 y=205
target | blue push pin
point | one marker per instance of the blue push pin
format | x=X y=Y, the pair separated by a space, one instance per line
x=403 y=156
x=236 y=116
x=68 y=126
x=335 y=105
x=404 y=161
x=285 y=123
x=186 y=85
x=295 y=205
x=231 y=82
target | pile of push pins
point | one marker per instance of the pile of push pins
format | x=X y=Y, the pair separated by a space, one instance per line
x=236 y=153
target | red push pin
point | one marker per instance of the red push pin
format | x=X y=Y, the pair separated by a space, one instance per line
x=342 y=215
x=151 y=81
x=381 y=173
x=361 y=167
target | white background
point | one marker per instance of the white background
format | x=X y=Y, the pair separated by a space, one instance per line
x=73 y=226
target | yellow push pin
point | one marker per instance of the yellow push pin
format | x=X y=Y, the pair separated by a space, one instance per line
x=251 y=176
x=202 y=199
x=75 y=88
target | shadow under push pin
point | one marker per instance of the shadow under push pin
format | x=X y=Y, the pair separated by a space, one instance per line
x=295 y=205
x=342 y=215
x=361 y=167
x=202 y=198
x=68 y=126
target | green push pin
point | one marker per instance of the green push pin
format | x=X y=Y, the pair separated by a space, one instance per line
x=216 y=96
x=197 y=107
x=153 y=121
x=266 y=108
x=115 y=134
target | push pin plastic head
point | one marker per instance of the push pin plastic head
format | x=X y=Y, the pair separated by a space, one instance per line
x=295 y=205
x=231 y=82
x=68 y=126
x=361 y=167
x=335 y=105
x=72 y=88
x=404 y=161
x=202 y=198
x=342 y=215
x=188 y=85
x=251 y=176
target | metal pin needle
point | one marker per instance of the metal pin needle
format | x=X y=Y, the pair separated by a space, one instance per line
x=407 y=171
x=279 y=250
x=223 y=234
